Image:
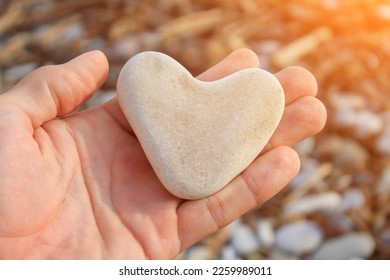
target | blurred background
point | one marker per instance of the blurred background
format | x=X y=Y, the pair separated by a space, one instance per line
x=338 y=206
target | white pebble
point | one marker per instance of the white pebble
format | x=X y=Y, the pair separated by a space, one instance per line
x=267 y=46
x=74 y=32
x=383 y=185
x=265 y=232
x=229 y=253
x=278 y=254
x=299 y=238
x=351 y=113
x=344 y=181
x=341 y=222
x=350 y=246
x=244 y=240
x=352 y=155
x=353 y=199
x=327 y=201
x=364 y=123
x=367 y=124
x=345 y=118
x=199 y=252
x=308 y=166
x=382 y=144
x=306 y=146
x=347 y=101
x=126 y=46
x=15 y=73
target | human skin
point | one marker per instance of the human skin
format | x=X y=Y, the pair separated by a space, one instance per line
x=77 y=185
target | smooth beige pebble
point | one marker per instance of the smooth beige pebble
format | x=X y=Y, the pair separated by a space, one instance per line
x=198 y=135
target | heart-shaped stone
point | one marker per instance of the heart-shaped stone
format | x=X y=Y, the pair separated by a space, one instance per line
x=198 y=135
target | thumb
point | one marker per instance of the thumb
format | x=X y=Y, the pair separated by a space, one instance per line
x=57 y=90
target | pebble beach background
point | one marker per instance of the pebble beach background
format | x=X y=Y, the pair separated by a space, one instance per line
x=338 y=207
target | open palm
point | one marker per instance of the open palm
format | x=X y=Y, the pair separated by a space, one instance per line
x=78 y=186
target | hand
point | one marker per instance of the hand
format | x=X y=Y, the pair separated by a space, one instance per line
x=78 y=186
